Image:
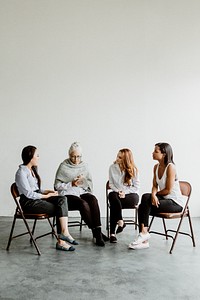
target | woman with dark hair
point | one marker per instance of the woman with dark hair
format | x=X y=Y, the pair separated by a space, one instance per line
x=35 y=200
x=124 y=183
x=165 y=195
x=74 y=180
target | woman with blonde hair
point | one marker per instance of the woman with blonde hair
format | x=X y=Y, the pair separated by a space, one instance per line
x=124 y=183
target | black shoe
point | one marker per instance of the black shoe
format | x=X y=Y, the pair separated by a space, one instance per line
x=121 y=228
x=100 y=242
x=113 y=239
x=98 y=236
x=105 y=237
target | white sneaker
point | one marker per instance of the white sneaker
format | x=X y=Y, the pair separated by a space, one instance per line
x=141 y=238
x=139 y=246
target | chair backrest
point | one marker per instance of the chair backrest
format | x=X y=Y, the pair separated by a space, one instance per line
x=107 y=185
x=15 y=194
x=186 y=190
x=107 y=191
x=14 y=190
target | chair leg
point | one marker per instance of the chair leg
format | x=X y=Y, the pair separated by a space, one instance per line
x=165 y=229
x=11 y=233
x=33 y=229
x=52 y=232
x=178 y=231
x=29 y=231
x=32 y=238
x=136 y=218
x=151 y=222
x=52 y=227
x=54 y=224
x=191 y=229
x=176 y=235
x=107 y=221
x=81 y=224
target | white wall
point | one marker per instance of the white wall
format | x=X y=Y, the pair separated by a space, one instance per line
x=108 y=73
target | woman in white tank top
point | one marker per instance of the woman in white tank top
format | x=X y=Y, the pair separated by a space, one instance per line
x=164 y=197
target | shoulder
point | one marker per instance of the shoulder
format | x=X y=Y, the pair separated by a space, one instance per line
x=171 y=167
x=63 y=164
x=83 y=165
x=22 y=170
x=136 y=172
x=155 y=167
x=113 y=166
x=22 y=173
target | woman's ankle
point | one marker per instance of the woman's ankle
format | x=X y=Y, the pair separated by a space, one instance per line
x=120 y=223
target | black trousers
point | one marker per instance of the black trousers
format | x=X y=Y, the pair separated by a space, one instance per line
x=116 y=206
x=146 y=208
x=55 y=206
x=88 y=206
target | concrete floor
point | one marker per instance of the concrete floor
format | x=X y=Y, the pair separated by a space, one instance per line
x=92 y=272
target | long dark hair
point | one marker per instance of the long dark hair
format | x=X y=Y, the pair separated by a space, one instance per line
x=27 y=154
x=167 y=150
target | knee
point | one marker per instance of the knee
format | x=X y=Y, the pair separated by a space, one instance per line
x=62 y=200
x=146 y=200
x=91 y=200
x=112 y=197
x=83 y=205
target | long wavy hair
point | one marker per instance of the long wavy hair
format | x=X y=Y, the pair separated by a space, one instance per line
x=167 y=150
x=27 y=154
x=128 y=165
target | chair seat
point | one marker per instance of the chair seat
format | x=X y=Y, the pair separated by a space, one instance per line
x=131 y=206
x=33 y=216
x=171 y=215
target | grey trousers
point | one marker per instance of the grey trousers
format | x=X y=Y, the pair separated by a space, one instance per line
x=56 y=206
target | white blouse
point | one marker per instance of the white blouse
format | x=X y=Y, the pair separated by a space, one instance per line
x=116 y=181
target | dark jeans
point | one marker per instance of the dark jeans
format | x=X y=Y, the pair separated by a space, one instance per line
x=54 y=206
x=146 y=208
x=88 y=206
x=116 y=206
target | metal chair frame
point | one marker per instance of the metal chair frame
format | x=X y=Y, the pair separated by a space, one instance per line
x=186 y=190
x=133 y=221
x=19 y=214
x=80 y=223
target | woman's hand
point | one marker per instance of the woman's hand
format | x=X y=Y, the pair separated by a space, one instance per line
x=46 y=192
x=50 y=194
x=155 y=201
x=121 y=194
x=78 y=181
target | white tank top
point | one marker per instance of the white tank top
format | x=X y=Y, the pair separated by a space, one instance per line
x=175 y=192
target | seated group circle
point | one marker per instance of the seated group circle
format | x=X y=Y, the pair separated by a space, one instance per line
x=73 y=190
